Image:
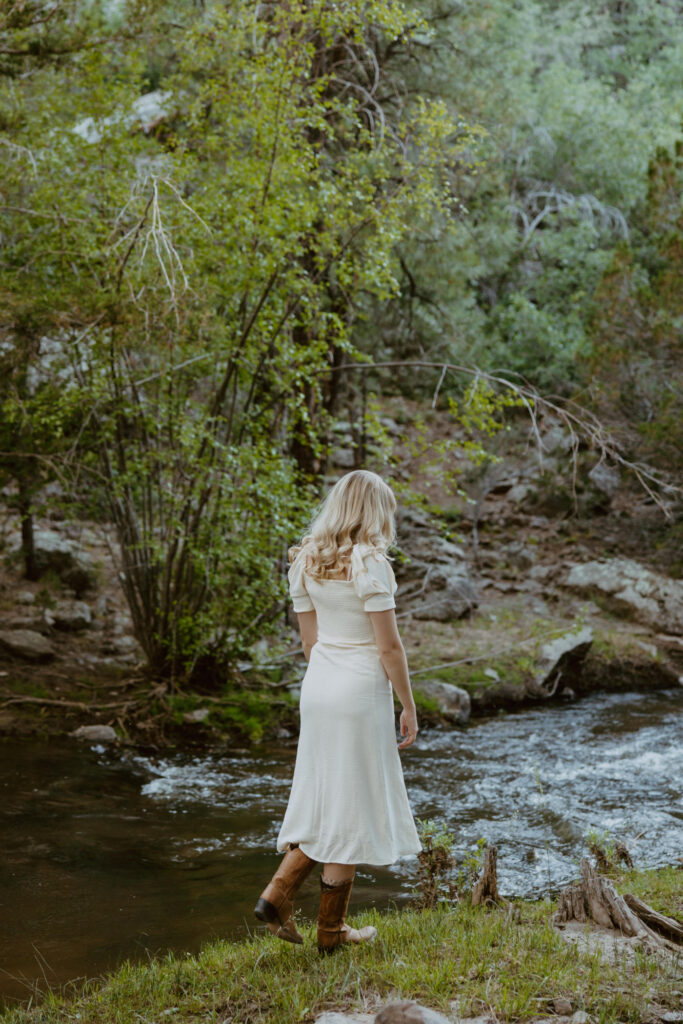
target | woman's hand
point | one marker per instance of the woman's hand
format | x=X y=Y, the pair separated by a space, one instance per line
x=408 y=727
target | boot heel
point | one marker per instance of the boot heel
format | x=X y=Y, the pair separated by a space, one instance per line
x=265 y=911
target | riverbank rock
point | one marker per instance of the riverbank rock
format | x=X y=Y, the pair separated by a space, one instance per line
x=454 y=703
x=26 y=644
x=627 y=588
x=95 y=734
x=408 y=1012
x=560 y=660
x=197 y=716
x=336 y=1017
x=73 y=565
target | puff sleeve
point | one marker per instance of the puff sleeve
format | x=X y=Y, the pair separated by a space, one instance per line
x=373 y=578
x=297 y=587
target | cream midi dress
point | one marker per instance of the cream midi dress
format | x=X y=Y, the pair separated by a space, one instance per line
x=348 y=803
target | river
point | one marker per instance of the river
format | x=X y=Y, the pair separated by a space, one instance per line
x=108 y=854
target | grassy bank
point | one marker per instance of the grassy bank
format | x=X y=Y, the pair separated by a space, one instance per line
x=261 y=708
x=462 y=960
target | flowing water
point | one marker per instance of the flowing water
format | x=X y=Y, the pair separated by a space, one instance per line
x=107 y=855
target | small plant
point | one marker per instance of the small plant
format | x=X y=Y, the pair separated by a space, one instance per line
x=436 y=881
x=608 y=852
x=436 y=861
x=44 y=598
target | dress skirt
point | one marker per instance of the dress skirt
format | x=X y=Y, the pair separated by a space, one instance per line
x=348 y=803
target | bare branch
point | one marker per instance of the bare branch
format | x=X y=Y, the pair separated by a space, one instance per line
x=577 y=420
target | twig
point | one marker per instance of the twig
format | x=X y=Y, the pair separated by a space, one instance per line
x=67 y=703
x=575 y=419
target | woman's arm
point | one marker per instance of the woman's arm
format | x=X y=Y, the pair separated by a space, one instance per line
x=393 y=657
x=308 y=627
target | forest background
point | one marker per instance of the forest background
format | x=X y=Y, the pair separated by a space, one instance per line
x=215 y=217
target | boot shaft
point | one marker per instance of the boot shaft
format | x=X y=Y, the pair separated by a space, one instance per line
x=334 y=904
x=275 y=905
x=294 y=869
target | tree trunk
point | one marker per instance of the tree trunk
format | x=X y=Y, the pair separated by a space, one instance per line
x=27 y=542
x=486 y=887
x=595 y=898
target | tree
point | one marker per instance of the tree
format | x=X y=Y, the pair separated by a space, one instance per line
x=196 y=269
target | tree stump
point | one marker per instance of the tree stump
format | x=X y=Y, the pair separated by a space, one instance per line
x=485 y=889
x=595 y=898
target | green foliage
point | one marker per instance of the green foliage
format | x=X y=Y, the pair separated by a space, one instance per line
x=602 y=841
x=633 y=370
x=438 y=880
x=436 y=862
x=208 y=210
x=195 y=272
x=249 y=714
x=571 y=101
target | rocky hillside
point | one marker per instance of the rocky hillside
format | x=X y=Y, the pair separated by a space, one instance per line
x=514 y=587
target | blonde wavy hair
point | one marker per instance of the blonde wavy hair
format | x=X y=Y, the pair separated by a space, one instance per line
x=359 y=509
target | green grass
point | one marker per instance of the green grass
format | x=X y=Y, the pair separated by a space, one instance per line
x=480 y=961
x=612 y=645
x=249 y=714
x=425 y=705
x=514 y=672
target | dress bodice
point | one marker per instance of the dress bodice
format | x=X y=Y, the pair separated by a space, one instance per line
x=342 y=606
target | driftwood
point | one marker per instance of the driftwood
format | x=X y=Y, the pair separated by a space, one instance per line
x=595 y=898
x=485 y=889
x=658 y=922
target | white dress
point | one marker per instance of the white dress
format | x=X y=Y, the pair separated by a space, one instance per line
x=348 y=803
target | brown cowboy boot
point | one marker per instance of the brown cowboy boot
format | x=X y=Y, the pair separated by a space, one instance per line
x=275 y=905
x=332 y=929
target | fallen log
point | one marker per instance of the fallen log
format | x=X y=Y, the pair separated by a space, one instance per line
x=658 y=922
x=595 y=898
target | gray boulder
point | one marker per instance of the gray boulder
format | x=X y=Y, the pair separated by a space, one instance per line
x=445 y=592
x=629 y=589
x=454 y=703
x=557 y=439
x=519 y=493
x=95 y=734
x=73 y=565
x=561 y=658
x=408 y=1012
x=605 y=479
x=27 y=644
x=71 y=616
x=519 y=555
x=345 y=458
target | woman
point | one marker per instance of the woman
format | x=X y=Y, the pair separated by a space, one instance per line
x=348 y=804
